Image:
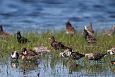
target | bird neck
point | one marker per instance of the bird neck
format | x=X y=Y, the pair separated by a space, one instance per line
x=1 y=29
x=14 y=55
x=53 y=40
x=19 y=36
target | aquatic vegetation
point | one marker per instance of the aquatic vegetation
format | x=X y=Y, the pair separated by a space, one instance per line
x=77 y=42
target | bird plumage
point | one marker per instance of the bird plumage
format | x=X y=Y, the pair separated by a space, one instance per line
x=20 y=38
x=28 y=54
x=89 y=34
x=69 y=28
x=57 y=45
x=73 y=55
x=111 y=51
x=2 y=31
x=15 y=55
x=95 y=56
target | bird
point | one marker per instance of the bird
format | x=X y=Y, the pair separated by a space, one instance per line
x=66 y=53
x=71 y=54
x=89 y=34
x=20 y=38
x=28 y=54
x=111 y=51
x=41 y=49
x=110 y=32
x=15 y=55
x=76 y=55
x=69 y=28
x=2 y=31
x=57 y=45
x=95 y=56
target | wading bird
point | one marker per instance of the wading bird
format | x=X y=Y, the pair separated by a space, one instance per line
x=70 y=29
x=89 y=34
x=20 y=38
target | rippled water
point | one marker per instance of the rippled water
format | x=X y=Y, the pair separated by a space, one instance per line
x=39 y=15
x=53 y=66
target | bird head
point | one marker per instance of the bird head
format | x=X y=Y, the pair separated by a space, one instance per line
x=52 y=38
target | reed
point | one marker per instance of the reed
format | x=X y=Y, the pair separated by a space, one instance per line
x=77 y=42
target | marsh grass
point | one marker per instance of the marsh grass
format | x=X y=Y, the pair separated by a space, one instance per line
x=77 y=42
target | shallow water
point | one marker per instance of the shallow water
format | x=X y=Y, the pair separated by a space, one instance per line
x=40 y=15
x=53 y=66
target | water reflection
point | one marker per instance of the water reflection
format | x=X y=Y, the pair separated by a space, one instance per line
x=72 y=66
x=14 y=64
x=51 y=65
x=28 y=65
x=95 y=68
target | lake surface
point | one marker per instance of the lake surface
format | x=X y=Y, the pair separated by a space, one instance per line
x=39 y=15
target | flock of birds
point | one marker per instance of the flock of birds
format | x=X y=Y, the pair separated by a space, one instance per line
x=28 y=54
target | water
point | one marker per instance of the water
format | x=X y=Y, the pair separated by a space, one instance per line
x=37 y=15
x=53 y=66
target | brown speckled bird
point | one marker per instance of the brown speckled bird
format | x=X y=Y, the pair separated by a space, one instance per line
x=28 y=54
x=89 y=34
x=57 y=45
x=95 y=56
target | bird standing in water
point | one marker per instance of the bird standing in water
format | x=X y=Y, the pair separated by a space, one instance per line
x=21 y=39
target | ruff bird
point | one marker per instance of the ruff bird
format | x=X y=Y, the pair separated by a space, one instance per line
x=57 y=45
x=15 y=55
x=28 y=54
x=111 y=51
x=95 y=56
x=89 y=34
x=20 y=38
x=69 y=28
x=71 y=54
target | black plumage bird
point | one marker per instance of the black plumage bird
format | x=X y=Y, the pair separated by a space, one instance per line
x=15 y=55
x=57 y=45
x=20 y=38
x=2 y=32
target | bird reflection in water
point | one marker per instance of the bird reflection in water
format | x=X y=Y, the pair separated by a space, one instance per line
x=14 y=64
